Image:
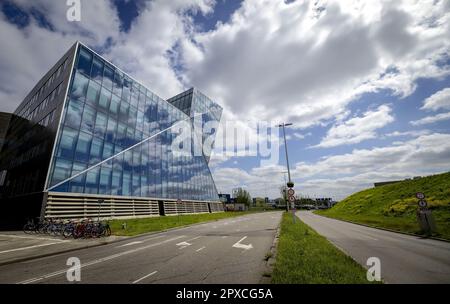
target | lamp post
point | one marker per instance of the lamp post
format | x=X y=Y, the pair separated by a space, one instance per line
x=285 y=195
x=289 y=184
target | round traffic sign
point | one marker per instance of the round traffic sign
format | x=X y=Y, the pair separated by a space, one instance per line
x=420 y=195
x=291 y=192
x=423 y=203
x=291 y=198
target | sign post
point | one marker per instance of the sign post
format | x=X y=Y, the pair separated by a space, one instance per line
x=424 y=215
x=291 y=200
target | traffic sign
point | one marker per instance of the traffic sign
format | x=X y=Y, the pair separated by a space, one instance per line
x=291 y=192
x=291 y=199
x=420 y=195
x=423 y=203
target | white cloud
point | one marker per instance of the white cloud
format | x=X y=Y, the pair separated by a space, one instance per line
x=357 y=129
x=288 y=61
x=142 y=52
x=408 y=133
x=301 y=136
x=341 y=175
x=439 y=100
x=30 y=52
x=419 y=154
x=431 y=119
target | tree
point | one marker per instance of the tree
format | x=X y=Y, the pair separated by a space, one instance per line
x=243 y=197
x=283 y=192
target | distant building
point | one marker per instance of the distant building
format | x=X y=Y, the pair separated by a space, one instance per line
x=325 y=202
x=379 y=184
x=385 y=183
x=225 y=198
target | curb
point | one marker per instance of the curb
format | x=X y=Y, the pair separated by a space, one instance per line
x=387 y=229
x=270 y=262
x=106 y=242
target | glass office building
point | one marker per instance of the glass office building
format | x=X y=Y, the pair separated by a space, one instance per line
x=115 y=146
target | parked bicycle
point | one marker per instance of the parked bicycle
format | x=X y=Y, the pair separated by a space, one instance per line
x=86 y=228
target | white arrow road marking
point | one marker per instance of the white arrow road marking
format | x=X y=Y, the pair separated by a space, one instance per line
x=143 y=278
x=243 y=246
x=183 y=245
x=130 y=244
x=186 y=243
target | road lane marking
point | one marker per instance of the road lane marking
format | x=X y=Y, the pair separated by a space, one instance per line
x=200 y=249
x=29 y=247
x=33 y=238
x=242 y=246
x=108 y=258
x=186 y=243
x=154 y=237
x=143 y=278
x=130 y=244
x=194 y=239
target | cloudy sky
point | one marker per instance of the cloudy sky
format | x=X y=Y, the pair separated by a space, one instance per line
x=365 y=83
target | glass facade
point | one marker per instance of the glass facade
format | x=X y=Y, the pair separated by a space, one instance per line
x=205 y=116
x=116 y=138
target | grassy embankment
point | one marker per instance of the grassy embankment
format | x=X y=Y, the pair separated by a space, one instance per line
x=305 y=257
x=153 y=224
x=394 y=206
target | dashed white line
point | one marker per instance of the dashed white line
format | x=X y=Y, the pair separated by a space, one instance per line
x=130 y=244
x=53 y=274
x=200 y=249
x=29 y=247
x=143 y=278
x=33 y=238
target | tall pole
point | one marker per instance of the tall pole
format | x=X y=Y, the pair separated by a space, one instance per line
x=287 y=157
x=284 y=125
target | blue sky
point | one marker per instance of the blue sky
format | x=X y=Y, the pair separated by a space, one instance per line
x=364 y=83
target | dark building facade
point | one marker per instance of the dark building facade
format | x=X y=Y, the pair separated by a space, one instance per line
x=88 y=132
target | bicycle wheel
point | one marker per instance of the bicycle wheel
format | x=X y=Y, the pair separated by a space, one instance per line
x=28 y=228
x=107 y=231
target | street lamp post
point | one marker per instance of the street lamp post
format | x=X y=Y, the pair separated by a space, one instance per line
x=285 y=195
x=289 y=184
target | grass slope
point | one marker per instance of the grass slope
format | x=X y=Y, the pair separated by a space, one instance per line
x=305 y=257
x=394 y=206
x=152 y=224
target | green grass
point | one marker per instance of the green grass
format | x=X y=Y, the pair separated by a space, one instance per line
x=394 y=206
x=153 y=224
x=305 y=257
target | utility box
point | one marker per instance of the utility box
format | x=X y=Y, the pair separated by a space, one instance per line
x=426 y=221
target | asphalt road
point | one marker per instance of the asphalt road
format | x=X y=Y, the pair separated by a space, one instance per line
x=404 y=258
x=225 y=251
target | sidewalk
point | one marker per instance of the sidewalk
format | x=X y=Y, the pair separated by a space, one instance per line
x=16 y=246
